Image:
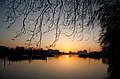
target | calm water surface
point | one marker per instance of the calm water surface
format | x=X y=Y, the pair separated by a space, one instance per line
x=59 y=67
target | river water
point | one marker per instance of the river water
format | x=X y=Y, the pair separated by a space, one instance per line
x=58 y=67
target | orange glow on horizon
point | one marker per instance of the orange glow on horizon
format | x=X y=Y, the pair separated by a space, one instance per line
x=66 y=51
x=63 y=45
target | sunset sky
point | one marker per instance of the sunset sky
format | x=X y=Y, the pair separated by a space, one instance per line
x=64 y=43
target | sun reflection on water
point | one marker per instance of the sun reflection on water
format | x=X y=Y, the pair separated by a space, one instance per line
x=61 y=67
x=66 y=57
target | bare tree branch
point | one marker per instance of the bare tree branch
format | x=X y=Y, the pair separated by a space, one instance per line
x=76 y=16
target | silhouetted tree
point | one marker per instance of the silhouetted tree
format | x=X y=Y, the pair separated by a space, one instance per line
x=110 y=24
x=109 y=16
x=3 y=50
x=75 y=15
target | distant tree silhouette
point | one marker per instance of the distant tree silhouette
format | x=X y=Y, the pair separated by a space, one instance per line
x=3 y=50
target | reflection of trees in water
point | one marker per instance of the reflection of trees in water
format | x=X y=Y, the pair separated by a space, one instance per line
x=9 y=60
x=114 y=67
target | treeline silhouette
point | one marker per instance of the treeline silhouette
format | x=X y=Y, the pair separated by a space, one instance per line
x=24 y=52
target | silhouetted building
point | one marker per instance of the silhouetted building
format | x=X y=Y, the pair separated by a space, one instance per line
x=53 y=52
x=82 y=53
